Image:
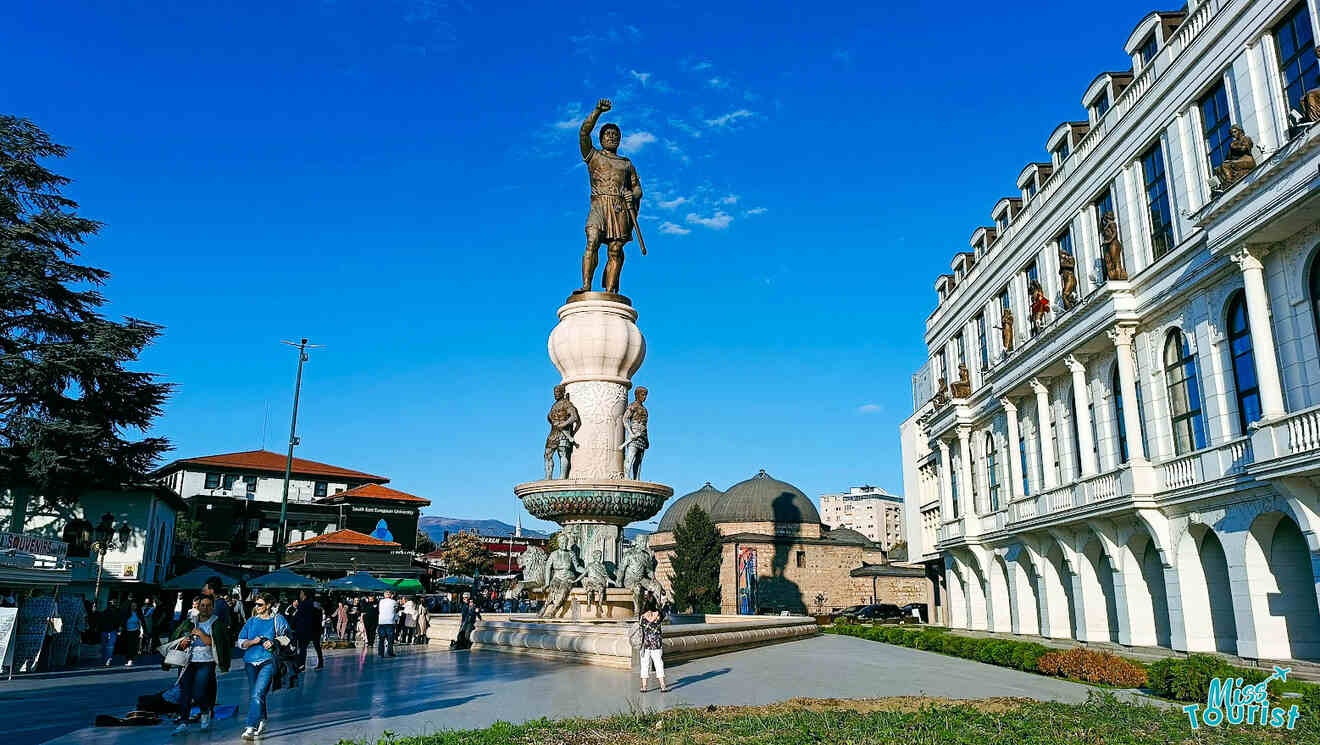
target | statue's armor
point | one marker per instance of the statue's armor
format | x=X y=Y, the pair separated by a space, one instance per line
x=610 y=176
x=561 y=413
x=638 y=415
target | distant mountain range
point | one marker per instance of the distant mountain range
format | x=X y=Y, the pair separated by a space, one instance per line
x=435 y=527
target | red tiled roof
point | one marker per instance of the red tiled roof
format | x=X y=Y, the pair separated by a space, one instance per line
x=265 y=460
x=345 y=538
x=376 y=491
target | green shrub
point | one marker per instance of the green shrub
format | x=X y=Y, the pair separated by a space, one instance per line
x=1026 y=656
x=930 y=639
x=1187 y=679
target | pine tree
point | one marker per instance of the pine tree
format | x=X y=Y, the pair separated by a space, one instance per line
x=68 y=406
x=696 y=563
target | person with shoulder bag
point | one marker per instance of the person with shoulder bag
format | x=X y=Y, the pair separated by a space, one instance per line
x=208 y=645
x=650 y=638
x=260 y=642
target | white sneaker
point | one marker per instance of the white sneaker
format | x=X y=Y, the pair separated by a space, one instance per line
x=128 y=664
x=249 y=733
x=107 y=663
x=206 y=722
x=261 y=728
x=181 y=728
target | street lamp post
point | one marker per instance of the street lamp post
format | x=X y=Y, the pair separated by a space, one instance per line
x=302 y=347
x=105 y=540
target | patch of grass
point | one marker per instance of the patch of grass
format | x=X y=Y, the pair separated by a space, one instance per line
x=1103 y=720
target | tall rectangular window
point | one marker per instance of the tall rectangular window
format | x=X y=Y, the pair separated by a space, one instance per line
x=1031 y=188
x=321 y=489
x=1032 y=272
x=984 y=347
x=1149 y=48
x=1003 y=299
x=962 y=349
x=1299 y=68
x=1101 y=105
x=1065 y=241
x=1215 y=123
x=1022 y=452
x=1157 y=201
x=1062 y=152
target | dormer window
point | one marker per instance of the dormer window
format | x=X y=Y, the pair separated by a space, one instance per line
x=1062 y=152
x=1030 y=189
x=1148 y=49
x=1001 y=222
x=1101 y=105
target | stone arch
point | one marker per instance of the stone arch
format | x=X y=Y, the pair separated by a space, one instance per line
x=1001 y=609
x=1095 y=571
x=974 y=588
x=1024 y=578
x=1146 y=598
x=1281 y=572
x=959 y=613
x=1207 y=598
x=1057 y=588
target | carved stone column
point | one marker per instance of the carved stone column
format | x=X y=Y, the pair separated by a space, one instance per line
x=1044 y=417
x=1013 y=454
x=1082 y=410
x=965 y=471
x=1248 y=260
x=946 y=481
x=1127 y=381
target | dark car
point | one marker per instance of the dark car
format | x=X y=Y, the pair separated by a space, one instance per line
x=878 y=612
x=919 y=609
x=849 y=611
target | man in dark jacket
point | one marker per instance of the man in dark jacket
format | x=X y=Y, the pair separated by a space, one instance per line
x=370 y=615
x=308 y=622
x=108 y=622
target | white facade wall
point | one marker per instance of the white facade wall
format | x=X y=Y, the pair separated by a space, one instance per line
x=191 y=481
x=1211 y=548
x=871 y=512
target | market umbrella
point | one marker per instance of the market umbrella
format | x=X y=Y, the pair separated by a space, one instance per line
x=405 y=584
x=193 y=580
x=284 y=579
x=359 y=582
x=455 y=581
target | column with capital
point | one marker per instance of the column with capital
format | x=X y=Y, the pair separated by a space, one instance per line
x=946 y=482
x=1127 y=382
x=969 y=511
x=1043 y=419
x=1248 y=260
x=1013 y=455
x=1082 y=410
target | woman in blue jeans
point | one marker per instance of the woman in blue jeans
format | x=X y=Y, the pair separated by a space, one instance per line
x=259 y=645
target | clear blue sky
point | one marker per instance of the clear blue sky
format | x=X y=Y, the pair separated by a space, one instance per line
x=399 y=181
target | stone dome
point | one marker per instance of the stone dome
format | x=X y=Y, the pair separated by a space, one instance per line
x=763 y=499
x=705 y=497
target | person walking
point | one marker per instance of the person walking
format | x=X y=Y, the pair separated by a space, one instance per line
x=468 y=616
x=130 y=634
x=409 y=620
x=307 y=626
x=215 y=588
x=341 y=621
x=208 y=643
x=388 y=612
x=108 y=622
x=423 y=621
x=151 y=625
x=652 y=644
x=258 y=640
x=370 y=617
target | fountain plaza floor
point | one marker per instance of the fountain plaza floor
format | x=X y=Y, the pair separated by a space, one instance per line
x=357 y=695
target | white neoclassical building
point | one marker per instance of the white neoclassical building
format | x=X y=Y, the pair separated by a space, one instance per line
x=1140 y=462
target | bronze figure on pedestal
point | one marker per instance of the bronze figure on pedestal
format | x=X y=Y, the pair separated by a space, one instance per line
x=1239 y=161
x=616 y=196
x=1113 y=248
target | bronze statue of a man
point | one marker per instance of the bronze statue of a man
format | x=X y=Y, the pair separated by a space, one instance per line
x=564 y=423
x=616 y=195
x=1068 y=279
x=1006 y=329
x=635 y=444
x=1239 y=161
x=1113 y=248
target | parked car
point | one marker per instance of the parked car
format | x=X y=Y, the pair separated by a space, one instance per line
x=849 y=611
x=877 y=612
x=918 y=610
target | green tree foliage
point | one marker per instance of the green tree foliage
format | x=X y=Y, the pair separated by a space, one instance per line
x=68 y=406
x=696 y=563
x=188 y=535
x=465 y=554
x=424 y=543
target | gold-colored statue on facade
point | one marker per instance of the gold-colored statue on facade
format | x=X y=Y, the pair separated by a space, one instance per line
x=1239 y=161
x=1310 y=102
x=1112 y=248
x=616 y=196
x=1068 y=279
x=1006 y=328
x=963 y=388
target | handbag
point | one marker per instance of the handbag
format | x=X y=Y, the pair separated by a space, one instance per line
x=635 y=635
x=175 y=657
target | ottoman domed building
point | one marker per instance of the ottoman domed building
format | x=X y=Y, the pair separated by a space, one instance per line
x=778 y=556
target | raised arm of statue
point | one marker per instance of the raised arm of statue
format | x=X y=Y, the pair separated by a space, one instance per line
x=588 y=124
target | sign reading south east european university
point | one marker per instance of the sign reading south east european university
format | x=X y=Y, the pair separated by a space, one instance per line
x=1230 y=702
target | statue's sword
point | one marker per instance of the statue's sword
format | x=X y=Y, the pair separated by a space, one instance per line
x=637 y=225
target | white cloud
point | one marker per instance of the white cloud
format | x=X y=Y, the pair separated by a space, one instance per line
x=718 y=221
x=756 y=211
x=730 y=199
x=684 y=127
x=672 y=203
x=673 y=229
x=729 y=118
x=635 y=141
x=640 y=76
x=677 y=151
x=703 y=65
x=870 y=409
x=717 y=83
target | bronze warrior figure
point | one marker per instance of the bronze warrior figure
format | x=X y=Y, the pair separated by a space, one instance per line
x=1239 y=161
x=564 y=423
x=1113 y=248
x=1068 y=279
x=616 y=195
x=1006 y=330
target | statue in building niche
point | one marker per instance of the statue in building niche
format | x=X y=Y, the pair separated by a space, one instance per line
x=941 y=396
x=963 y=388
x=1112 y=248
x=1068 y=279
x=1239 y=161
x=1040 y=305
x=1006 y=328
x=564 y=423
x=636 y=442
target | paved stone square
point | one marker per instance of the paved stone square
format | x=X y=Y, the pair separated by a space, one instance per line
x=358 y=695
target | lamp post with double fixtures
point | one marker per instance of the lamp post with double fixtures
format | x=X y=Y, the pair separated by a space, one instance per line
x=106 y=541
